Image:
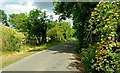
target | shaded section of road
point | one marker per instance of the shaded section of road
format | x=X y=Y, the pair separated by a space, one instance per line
x=56 y=58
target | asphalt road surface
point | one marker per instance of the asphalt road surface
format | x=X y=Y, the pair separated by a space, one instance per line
x=56 y=58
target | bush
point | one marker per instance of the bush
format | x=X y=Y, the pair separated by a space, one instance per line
x=106 y=58
x=87 y=56
x=11 y=39
x=104 y=26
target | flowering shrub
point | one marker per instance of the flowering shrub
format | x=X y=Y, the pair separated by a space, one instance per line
x=104 y=22
x=104 y=26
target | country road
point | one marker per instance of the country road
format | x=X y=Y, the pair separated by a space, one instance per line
x=56 y=58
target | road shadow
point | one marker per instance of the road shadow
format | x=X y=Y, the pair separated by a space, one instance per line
x=67 y=47
x=76 y=63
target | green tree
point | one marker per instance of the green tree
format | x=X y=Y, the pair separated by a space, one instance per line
x=19 y=21
x=55 y=33
x=37 y=21
x=44 y=26
x=80 y=13
x=3 y=18
x=68 y=30
x=59 y=31
x=33 y=25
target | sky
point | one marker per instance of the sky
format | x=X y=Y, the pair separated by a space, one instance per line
x=24 y=6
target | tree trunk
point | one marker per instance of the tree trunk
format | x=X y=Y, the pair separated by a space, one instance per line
x=38 y=41
x=44 y=37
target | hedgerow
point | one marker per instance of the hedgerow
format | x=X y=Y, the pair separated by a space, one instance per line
x=104 y=32
x=11 y=39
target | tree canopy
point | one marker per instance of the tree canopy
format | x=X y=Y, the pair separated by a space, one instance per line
x=36 y=26
x=60 y=31
x=3 y=17
x=19 y=21
x=33 y=24
x=80 y=13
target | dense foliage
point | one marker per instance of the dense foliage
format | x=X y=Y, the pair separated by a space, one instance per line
x=32 y=25
x=60 y=31
x=80 y=13
x=19 y=21
x=3 y=17
x=104 y=32
x=98 y=29
x=35 y=27
x=11 y=39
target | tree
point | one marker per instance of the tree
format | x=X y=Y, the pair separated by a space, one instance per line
x=3 y=18
x=33 y=25
x=37 y=20
x=19 y=21
x=68 y=30
x=44 y=26
x=80 y=13
x=55 y=33
x=60 y=31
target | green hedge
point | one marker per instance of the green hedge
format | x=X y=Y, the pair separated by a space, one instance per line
x=11 y=39
x=105 y=25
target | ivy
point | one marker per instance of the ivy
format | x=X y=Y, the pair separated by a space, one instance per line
x=104 y=23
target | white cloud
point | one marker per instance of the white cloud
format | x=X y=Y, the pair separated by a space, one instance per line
x=24 y=7
x=2 y=3
x=18 y=8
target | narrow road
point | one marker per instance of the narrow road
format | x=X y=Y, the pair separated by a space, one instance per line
x=56 y=58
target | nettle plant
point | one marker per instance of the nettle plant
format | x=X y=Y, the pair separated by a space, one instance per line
x=105 y=22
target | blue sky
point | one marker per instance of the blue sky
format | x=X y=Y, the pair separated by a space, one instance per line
x=24 y=6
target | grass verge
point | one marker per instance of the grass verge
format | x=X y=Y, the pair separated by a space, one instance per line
x=11 y=57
